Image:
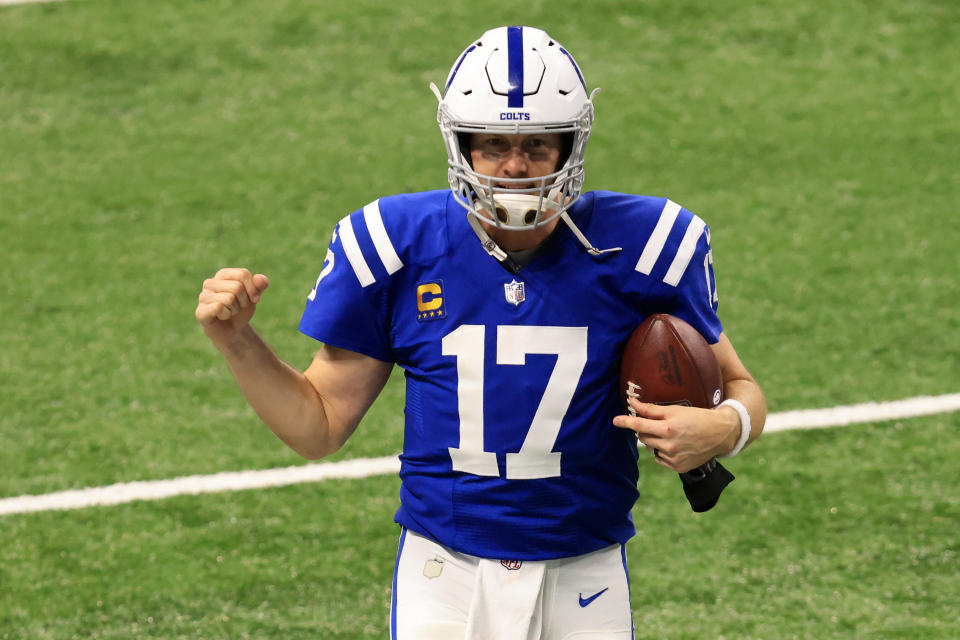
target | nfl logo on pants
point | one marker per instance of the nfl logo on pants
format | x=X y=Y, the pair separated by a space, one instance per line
x=514 y=292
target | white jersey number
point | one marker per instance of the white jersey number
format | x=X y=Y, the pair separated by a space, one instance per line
x=536 y=458
x=712 y=296
x=328 y=263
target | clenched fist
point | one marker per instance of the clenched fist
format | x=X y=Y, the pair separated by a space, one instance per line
x=228 y=300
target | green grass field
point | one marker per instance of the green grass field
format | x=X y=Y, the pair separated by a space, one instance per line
x=143 y=145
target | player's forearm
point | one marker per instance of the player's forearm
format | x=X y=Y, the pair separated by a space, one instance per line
x=282 y=397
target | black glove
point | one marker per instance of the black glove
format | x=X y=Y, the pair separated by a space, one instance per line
x=704 y=485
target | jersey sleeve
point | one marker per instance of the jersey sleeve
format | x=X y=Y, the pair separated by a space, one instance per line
x=695 y=299
x=340 y=310
x=677 y=263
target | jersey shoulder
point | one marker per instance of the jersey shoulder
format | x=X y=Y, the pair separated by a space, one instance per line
x=395 y=231
x=657 y=235
x=665 y=257
x=642 y=214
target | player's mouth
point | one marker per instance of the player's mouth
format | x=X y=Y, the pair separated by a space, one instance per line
x=514 y=185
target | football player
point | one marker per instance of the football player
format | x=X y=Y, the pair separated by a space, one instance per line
x=507 y=300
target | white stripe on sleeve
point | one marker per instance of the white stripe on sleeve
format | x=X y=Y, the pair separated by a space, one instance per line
x=352 y=249
x=687 y=247
x=654 y=246
x=388 y=255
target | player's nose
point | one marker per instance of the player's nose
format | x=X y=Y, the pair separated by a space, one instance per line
x=515 y=164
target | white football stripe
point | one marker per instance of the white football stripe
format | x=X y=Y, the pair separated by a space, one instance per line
x=362 y=468
x=354 y=255
x=654 y=246
x=378 y=233
x=687 y=247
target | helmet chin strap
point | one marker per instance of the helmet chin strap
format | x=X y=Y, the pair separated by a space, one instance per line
x=488 y=243
x=521 y=204
x=592 y=250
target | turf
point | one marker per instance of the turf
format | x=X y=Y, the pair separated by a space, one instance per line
x=144 y=145
x=833 y=534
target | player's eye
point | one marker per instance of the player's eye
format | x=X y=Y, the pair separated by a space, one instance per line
x=494 y=148
x=537 y=149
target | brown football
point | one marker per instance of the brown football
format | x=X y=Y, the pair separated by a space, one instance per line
x=667 y=361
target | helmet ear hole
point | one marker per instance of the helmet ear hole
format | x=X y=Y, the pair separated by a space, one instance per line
x=566 y=149
x=463 y=139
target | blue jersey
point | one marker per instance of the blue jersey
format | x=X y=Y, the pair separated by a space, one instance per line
x=511 y=378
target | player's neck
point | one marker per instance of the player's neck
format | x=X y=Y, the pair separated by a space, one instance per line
x=510 y=240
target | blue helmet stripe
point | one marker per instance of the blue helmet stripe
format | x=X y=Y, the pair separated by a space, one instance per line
x=457 y=68
x=515 y=66
x=574 y=63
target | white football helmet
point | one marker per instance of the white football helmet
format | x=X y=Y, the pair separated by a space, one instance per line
x=515 y=80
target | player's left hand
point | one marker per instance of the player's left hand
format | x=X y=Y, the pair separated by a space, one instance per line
x=682 y=438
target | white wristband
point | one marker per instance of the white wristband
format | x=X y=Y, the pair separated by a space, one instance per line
x=744 y=425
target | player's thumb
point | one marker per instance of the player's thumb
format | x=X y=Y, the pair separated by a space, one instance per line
x=261 y=282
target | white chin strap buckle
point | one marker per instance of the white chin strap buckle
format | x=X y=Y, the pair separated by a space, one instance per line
x=521 y=209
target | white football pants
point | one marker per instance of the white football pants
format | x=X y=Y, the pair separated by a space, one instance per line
x=439 y=594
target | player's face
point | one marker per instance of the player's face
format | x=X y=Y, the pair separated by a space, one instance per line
x=515 y=156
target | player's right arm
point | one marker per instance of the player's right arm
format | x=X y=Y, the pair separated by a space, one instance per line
x=313 y=412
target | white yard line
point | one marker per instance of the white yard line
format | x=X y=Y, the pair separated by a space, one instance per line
x=365 y=467
x=193 y=485
x=866 y=412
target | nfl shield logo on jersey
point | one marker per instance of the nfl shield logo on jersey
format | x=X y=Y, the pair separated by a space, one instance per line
x=514 y=292
x=511 y=565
